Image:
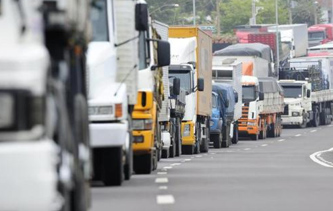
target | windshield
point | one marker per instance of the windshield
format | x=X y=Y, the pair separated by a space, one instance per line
x=214 y=101
x=316 y=35
x=249 y=94
x=99 y=20
x=292 y=91
x=185 y=79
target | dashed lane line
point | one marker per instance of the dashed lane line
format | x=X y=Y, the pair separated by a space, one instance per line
x=312 y=131
x=281 y=140
x=297 y=135
x=316 y=157
x=162 y=172
x=188 y=159
x=165 y=199
x=167 y=167
x=175 y=164
x=163 y=187
x=264 y=145
x=161 y=180
x=247 y=149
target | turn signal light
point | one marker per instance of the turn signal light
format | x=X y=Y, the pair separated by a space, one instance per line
x=119 y=110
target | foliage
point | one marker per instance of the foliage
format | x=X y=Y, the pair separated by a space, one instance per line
x=304 y=12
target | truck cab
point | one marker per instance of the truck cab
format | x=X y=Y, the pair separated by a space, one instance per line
x=297 y=99
x=320 y=34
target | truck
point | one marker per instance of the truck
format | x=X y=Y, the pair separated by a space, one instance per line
x=44 y=135
x=242 y=31
x=262 y=107
x=308 y=92
x=154 y=53
x=320 y=34
x=191 y=62
x=324 y=50
x=222 y=120
x=229 y=71
x=259 y=55
x=295 y=36
x=113 y=62
x=173 y=105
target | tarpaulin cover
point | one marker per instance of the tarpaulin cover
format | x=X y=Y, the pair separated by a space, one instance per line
x=246 y=49
x=225 y=91
x=269 y=85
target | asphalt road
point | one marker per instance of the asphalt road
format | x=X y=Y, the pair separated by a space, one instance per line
x=293 y=172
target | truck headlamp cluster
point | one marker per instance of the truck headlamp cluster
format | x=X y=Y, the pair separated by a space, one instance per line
x=295 y=113
x=100 y=110
x=187 y=130
x=142 y=124
x=7 y=110
x=138 y=139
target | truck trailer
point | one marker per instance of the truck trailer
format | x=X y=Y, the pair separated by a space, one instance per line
x=191 y=62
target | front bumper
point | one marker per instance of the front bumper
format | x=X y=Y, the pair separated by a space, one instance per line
x=249 y=129
x=108 y=134
x=147 y=144
x=28 y=179
x=291 y=120
x=190 y=138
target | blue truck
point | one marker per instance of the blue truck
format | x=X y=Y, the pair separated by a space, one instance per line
x=224 y=98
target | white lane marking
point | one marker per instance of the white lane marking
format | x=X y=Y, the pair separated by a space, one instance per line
x=163 y=187
x=264 y=145
x=187 y=159
x=165 y=199
x=198 y=156
x=297 y=135
x=205 y=154
x=316 y=157
x=162 y=172
x=161 y=180
x=213 y=153
x=247 y=149
x=312 y=131
x=281 y=140
x=167 y=167
x=175 y=164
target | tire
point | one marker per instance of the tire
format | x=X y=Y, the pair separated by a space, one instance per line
x=254 y=137
x=303 y=124
x=188 y=149
x=236 y=135
x=172 y=150
x=112 y=169
x=143 y=164
x=263 y=132
x=316 y=119
x=165 y=153
x=178 y=138
x=226 y=138
x=217 y=140
x=198 y=140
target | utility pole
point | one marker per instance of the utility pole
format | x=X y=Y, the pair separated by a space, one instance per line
x=218 y=27
x=290 y=12
x=254 y=21
x=194 y=23
x=315 y=12
x=277 y=38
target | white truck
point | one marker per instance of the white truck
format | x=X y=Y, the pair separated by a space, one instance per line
x=296 y=36
x=229 y=71
x=44 y=137
x=308 y=92
x=113 y=63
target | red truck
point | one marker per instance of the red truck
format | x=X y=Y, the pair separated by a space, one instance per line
x=320 y=34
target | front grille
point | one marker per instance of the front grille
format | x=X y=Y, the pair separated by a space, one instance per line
x=286 y=110
x=245 y=115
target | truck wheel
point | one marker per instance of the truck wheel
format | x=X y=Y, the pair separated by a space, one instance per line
x=178 y=139
x=323 y=117
x=143 y=164
x=303 y=124
x=316 y=119
x=172 y=150
x=188 y=149
x=235 y=136
x=254 y=137
x=217 y=140
x=128 y=168
x=165 y=153
x=112 y=169
x=263 y=132
x=226 y=137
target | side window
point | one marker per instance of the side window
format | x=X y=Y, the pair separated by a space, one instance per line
x=0 y=7
x=144 y=57
x=99 y=19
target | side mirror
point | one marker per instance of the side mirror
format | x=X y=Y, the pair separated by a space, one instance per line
x=261 y=96
x=141 y=17
x=236 y=97
x=163 y=53
x=227 y=103
x=201 y=84
x=176 y=86
x=308 y=93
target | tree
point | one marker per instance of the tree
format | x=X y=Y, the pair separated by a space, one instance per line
x=304 y=10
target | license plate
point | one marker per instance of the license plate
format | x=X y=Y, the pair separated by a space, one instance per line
x=6 y=110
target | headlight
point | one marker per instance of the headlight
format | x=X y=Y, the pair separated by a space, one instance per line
x=142 y=124
x=100 y=110
x=7 y=110
x=251 y=123
x=295 y=113
x=187 y=130
x=138 y=139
